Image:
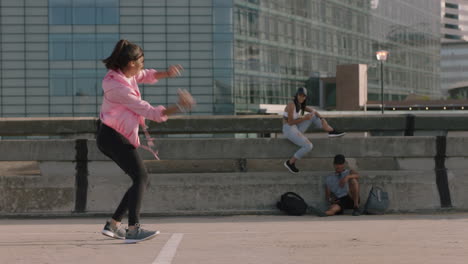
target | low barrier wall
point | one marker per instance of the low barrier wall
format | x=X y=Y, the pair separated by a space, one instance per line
x=397 y=124
x=229 y=176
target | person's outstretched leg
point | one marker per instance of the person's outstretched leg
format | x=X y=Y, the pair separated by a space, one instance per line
x=319 y=122
x=322 y=123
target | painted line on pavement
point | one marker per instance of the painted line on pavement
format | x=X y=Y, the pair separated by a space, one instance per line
x=169 y=250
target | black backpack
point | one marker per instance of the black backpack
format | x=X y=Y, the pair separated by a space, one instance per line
x=292 y=204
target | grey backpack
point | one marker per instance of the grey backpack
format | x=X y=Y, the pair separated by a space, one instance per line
x=377 y=202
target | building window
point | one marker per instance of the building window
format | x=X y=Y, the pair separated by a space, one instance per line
x=81 y=46
x=451 y=16
x=450 y=5
x=73 y=82
x=452 y=26
x=61 y=82
x=448 y=36
x=84 y=12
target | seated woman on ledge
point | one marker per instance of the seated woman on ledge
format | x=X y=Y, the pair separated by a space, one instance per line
x=295 y=123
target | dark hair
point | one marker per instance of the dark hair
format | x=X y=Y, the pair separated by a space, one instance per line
x=124 y=52
x=339 y=159
x=300 y=90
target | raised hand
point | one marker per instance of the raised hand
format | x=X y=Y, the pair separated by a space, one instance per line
x=174 y=70
x=186 y=100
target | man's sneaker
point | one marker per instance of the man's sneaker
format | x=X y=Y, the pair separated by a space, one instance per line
x=139 y=234
x=113 y=231
x=336 y=133
x=317 y=211
x=356 y=211
x=291 y=167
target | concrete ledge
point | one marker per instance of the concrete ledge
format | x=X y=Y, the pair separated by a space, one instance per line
x=19 y=168
x=349 y=122
x=434 y=122
x=275 y=165
x=222 y=176
x=37 y=150
x=41 y=126
x=219 y=192
x=53 y=190
x=458 y=183
x=251 y=148
x=456 y=147
x=267 y=148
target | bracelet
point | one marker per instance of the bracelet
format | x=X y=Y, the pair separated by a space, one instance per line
x=181 y=108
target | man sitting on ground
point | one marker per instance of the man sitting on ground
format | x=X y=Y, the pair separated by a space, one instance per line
x=342 y=188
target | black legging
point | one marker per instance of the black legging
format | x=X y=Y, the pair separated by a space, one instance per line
x=119 y=149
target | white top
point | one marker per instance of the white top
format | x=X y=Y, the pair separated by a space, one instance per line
x=295 y=116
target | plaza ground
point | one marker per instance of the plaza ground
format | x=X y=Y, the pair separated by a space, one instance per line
x=412 y=239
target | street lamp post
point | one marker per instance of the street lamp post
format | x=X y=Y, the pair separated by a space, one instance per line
x=382 y=57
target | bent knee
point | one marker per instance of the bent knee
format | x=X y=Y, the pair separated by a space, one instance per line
x=309 y=146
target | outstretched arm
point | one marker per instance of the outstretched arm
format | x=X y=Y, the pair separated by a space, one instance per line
x=172 y=71
x=128 y=98
x=184 y=104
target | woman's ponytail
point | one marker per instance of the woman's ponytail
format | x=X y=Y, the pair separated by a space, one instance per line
x=124 y=52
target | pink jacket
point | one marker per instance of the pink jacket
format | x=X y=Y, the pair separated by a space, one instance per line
x=122 y=107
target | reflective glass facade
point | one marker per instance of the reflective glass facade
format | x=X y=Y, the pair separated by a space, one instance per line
x=51 y=52
x=236 y=54
x=454 y=14
x=454 y=51
x=280 y=45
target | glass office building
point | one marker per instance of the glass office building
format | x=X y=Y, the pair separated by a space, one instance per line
x=454 y=51
x=280 y=45
x=236 y=54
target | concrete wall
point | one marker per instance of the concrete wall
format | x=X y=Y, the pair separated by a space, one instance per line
x=229 y=176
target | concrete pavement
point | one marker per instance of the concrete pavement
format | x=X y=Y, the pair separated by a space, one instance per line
x=411 y=239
